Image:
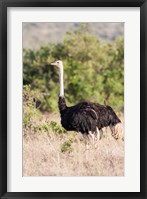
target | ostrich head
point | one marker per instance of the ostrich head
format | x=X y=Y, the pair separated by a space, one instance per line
x=57 y=63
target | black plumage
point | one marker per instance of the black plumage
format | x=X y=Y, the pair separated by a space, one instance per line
x=86 y=116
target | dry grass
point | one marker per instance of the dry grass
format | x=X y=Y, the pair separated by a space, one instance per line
x=47 y=153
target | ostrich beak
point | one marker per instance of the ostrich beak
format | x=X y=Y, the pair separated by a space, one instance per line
x=53 y=63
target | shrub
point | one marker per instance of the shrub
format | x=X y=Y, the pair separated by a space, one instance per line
x=31 y=114
x=56 y=128
x=67 y=146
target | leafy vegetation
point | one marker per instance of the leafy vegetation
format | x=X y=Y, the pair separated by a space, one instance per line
x=93 y=70
x=30 y=111
x=67 y=146
x=56 y=128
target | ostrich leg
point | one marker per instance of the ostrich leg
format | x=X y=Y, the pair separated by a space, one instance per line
x=86 y=140
x=98 y=134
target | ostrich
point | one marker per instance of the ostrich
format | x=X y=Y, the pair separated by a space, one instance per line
x=85 y=117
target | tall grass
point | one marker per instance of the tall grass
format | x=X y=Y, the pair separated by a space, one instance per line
x=49 y=150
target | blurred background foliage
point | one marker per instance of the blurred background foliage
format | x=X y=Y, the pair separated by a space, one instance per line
x=93 y=70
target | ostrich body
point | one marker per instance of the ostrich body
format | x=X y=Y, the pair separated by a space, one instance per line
x=85 y=117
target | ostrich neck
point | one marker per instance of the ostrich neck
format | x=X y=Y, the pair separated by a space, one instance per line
x=61 y=81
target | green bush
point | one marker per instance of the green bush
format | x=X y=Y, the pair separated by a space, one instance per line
x=67 y=146
x=30 y=111
x=45 y=126
x=56 y=128
x=93 y=70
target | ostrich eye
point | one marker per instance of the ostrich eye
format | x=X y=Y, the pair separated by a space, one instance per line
x=57 y=62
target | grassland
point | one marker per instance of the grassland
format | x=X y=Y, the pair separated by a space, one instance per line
x=48 y=150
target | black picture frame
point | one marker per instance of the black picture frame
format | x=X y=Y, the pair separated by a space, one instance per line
x=4 y=4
